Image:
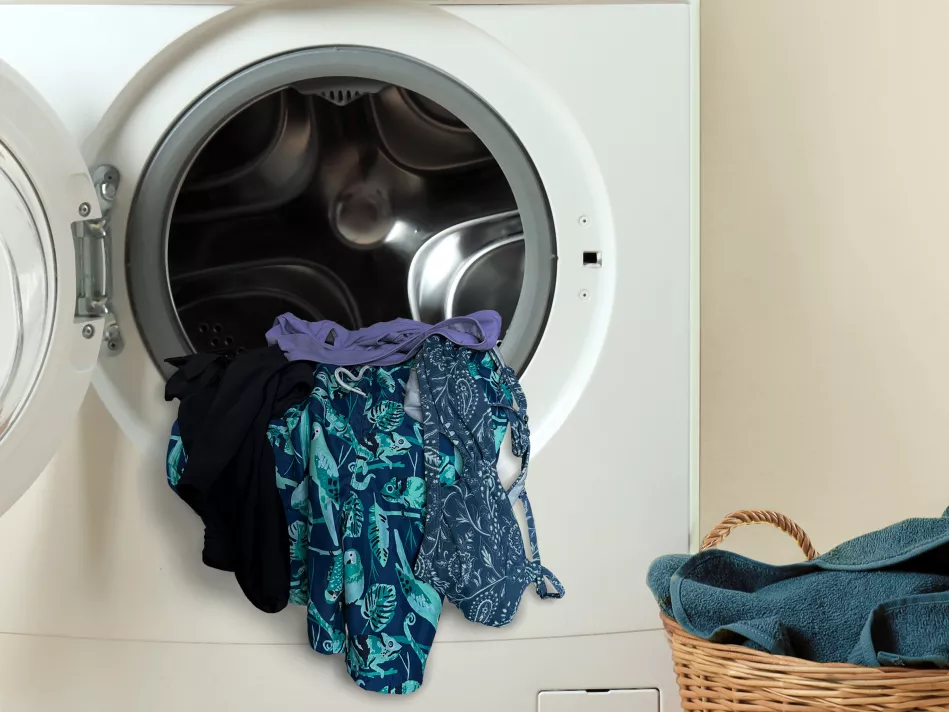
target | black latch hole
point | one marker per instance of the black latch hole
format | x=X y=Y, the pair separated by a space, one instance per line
x=593 y=259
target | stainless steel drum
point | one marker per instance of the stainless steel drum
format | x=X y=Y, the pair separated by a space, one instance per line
x=353 y=199
x=364 y=228
x=478 y=264
x=262 y=158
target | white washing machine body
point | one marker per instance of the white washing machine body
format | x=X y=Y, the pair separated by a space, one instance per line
x=105 y=602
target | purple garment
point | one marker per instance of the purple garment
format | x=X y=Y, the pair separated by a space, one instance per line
x=384 y=344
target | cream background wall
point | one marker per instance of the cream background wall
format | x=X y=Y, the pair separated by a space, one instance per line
x=825 y=246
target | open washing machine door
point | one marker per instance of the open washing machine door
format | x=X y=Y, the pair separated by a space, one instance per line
x=52 y=305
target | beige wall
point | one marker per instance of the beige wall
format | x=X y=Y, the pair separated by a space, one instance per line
x=825 y=264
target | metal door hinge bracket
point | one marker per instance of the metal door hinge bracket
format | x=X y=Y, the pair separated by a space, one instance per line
x=94 y=261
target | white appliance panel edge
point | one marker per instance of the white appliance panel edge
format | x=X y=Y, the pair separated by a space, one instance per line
x=107 y=569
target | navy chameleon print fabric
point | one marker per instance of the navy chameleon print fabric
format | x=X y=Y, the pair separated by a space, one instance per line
x=473 y=551
x=350 y=470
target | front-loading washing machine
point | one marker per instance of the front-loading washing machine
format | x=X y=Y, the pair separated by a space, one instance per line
x=356 y=161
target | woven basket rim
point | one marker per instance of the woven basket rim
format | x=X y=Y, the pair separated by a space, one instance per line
x=731 y=650
x=726 y=677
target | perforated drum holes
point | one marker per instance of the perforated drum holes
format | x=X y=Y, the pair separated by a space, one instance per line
x=212 y=333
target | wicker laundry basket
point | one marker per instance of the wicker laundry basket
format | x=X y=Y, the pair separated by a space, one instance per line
x=732 y=678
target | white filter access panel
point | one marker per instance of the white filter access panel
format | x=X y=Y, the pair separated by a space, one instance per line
x=605 y=701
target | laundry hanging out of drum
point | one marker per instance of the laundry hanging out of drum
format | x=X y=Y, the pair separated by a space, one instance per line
x=355 y=472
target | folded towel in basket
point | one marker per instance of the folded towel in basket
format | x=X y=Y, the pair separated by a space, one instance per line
x=881 y=599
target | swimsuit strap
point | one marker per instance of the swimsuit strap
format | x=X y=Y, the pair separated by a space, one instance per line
x=520 y=431
x=520 y=446
x=355 y=378
x=542 y=575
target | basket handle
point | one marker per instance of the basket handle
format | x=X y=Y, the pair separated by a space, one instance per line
x=754 y=516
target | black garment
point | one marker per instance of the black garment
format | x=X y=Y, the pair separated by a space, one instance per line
x=227 y=401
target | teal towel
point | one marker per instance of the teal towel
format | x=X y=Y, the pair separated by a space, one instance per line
x=879 y=599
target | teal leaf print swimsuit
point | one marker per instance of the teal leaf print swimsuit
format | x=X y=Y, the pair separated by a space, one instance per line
x=351 y=474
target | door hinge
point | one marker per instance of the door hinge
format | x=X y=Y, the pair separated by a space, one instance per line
x=94 y=262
